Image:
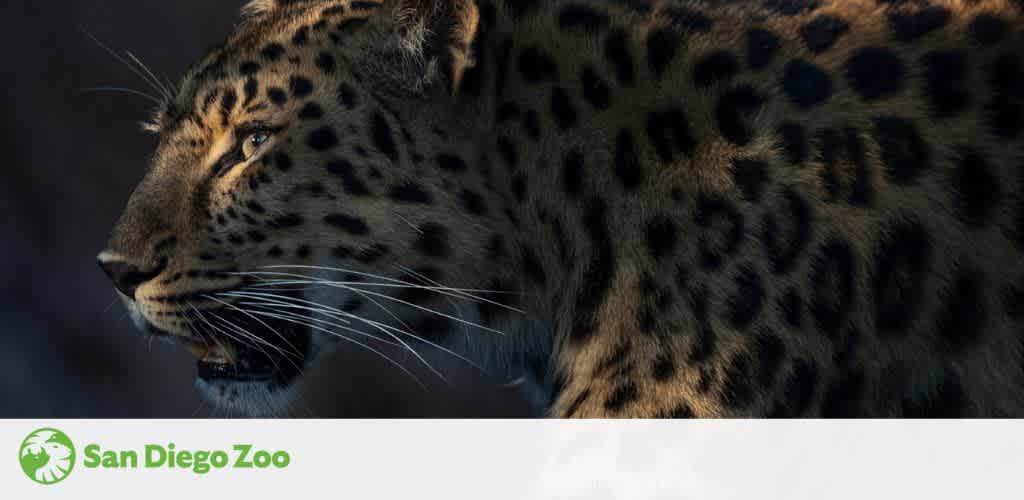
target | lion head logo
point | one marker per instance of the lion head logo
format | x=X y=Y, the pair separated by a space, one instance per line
x=47 y=456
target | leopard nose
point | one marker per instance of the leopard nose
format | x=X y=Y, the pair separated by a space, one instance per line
x=126 y=276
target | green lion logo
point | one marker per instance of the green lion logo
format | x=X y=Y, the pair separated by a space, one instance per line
x=47 y=456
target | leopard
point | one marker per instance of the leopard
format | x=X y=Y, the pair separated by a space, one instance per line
x=665 y=208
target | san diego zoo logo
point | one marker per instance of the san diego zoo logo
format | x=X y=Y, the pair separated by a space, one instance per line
x=47 y=456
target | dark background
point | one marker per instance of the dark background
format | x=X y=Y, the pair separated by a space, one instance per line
x=70 y=160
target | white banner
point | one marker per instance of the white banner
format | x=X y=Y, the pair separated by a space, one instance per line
x=502 y=459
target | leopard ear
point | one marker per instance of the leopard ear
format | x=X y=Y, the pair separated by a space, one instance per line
x=441 y=31
x=260 y=8
x=256 y=9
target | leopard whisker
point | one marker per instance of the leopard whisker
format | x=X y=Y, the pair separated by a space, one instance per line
x=296 y=355
x=337 y=270
x=199 y=408
x=199 y=316
x=319 y=268
x=299 y=318
x=410 y=224
x=294 y=349
x=440 y=286
x=191 y=319
x=124 y=91
x=241 y=340
x=431 y=311
x=255 y=341
x=153 y=78
x=415 y=306
x=167 y=97
x=347 y=339
x=459 y=292
x=280 y=301
x=404 y=324
x=272 y=307
x=245 y=334
x=309 y=279
x=455 y=307
x=167 y=82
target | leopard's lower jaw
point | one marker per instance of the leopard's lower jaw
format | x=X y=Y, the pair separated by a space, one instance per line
x=255 y=398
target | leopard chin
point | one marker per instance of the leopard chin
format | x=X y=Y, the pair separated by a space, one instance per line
x=250 y=398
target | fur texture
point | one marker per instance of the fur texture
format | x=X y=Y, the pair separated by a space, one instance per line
x=666 y=208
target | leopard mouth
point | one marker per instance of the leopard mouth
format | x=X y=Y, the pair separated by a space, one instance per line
x=264 y=350
x=239 y=347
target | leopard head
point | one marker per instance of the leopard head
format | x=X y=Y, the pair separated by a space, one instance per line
x=314 y=182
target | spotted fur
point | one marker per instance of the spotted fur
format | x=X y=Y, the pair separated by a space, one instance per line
x=694 y=208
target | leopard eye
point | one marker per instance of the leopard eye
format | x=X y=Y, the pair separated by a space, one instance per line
x=252 y=144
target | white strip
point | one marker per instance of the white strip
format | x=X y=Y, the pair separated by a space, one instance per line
x=593 y=460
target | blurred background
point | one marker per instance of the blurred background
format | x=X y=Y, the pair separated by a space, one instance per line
x=72 y=158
